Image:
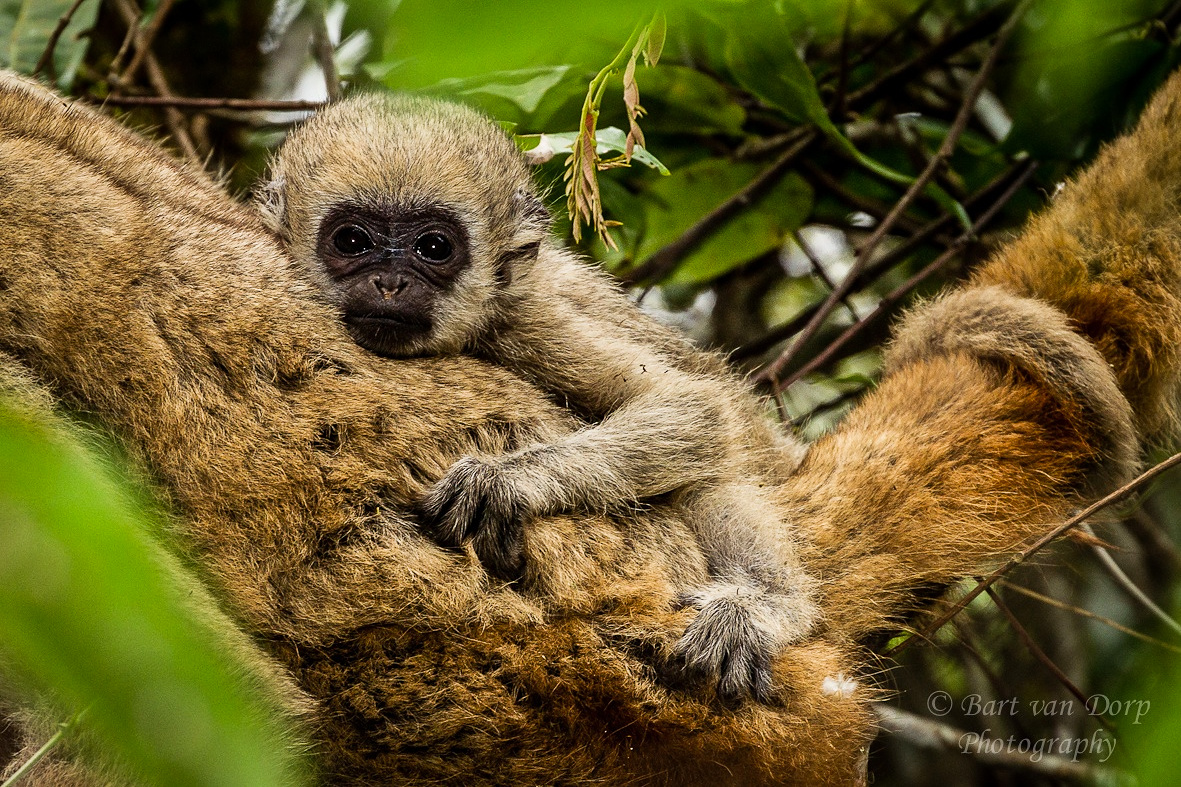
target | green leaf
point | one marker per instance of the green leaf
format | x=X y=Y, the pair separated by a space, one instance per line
x=675 y=203
x=682 y=100
x=95 y=612
x=608 y=140
x=524 y=88
x=657 y=32
x=25 y=29
x=766 y=65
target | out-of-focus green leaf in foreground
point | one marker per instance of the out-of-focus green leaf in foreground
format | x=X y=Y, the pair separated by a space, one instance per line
x=92 y=609
x=25 y=28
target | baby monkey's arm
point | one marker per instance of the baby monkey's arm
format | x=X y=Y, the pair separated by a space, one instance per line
x=663 y=417
x=666 y=419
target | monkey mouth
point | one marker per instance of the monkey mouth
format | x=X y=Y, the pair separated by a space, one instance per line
x=393 y=337
x=385 y=322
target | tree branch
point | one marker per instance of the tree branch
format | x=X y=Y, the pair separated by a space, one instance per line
x=1117 y=496
x=46 y=59
x=958 y=126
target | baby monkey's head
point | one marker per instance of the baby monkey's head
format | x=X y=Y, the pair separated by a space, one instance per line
x=415 y=214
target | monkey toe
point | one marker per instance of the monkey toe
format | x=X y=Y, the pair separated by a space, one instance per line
x=476 y=501
x=724 y=647
x=745 y=672
x=499 y=548
x=448 y=514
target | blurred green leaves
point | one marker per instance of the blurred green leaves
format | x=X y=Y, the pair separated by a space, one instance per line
x=675 y=203
x=1078 y=64
x=94 y=611
x=25 y=29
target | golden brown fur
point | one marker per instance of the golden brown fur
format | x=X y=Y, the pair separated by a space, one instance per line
x=666 y=419
x=142 y=294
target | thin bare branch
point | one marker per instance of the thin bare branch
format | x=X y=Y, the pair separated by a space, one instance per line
x=818 y=269
x=931 y=734
x=819 y=176
x=881 y=265
x=892 y=299
x=837 y=107
x=1117 y=496
x=202 y=104
x=325 y=54
x=1044 y=658
x=145 y=37
x=46 y=59
x=1086 y=613
x=950 y=141
x=174 y=119
x=665 y=259
x=1124 y=581
x=956 y=42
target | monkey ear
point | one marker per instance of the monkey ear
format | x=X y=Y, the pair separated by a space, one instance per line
x=270 y=197
x=533 y=225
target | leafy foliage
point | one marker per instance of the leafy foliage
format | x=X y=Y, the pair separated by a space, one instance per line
x=26 y=26
x=94 y=610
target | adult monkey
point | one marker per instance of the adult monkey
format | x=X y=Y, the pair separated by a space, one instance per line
x=290 y=453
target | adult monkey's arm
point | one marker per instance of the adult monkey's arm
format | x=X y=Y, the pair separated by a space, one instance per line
x=990 y=425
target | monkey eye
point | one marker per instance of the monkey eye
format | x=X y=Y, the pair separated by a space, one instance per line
x=433 y=246
x=351 y=240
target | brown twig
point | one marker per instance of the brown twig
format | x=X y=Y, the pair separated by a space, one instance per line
x=145 y=37
x=867 y=53
x=820 y=177
x=1086 y=613
x=874 y=270
x=1115 y=497
x=824 y=407
x=894 y=297
x=1120 y=578
x=201 y=104
x=1156 y=543
x=325 y=55
x=1043 y=657
x=931 y=734
x=46 y=59
x=173 y=118
x=818 y=269
x=117 y=60
x=837 y=107
x=665 y=259
x=950 y=141
x=956 y=42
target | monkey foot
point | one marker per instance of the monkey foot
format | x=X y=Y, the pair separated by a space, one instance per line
x=737 y=633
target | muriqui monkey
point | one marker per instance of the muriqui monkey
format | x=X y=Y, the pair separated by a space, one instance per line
x=134 y=289
x=422 y=222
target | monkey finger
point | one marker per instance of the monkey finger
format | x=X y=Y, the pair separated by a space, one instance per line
x=447 y=516
x=745 y=672
x=499 y=546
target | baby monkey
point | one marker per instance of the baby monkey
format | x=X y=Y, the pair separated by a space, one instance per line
x=423 y=225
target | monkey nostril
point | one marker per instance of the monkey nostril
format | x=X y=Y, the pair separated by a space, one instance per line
x=385 y=288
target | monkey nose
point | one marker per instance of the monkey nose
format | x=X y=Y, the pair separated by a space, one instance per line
x=386 y=288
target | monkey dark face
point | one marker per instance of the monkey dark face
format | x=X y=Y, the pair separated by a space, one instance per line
x=393 y=270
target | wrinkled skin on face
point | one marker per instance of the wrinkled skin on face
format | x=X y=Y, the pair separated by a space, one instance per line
x=390 y=267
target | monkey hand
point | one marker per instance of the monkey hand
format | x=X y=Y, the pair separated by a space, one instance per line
x=480 y=501
x=738 y=631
